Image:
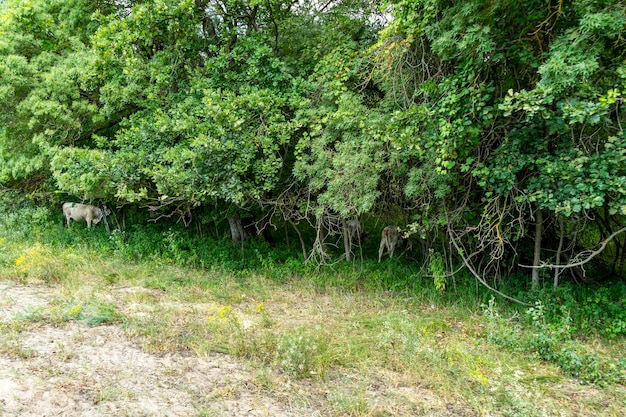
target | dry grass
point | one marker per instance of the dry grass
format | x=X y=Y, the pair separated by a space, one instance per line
x=331 y=351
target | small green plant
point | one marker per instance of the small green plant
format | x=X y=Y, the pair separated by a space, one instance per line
x=37 y=262
x=490 y=309
x=93 y=312
x=226 y=333
x=30 y=315
x=356 y=404
x=438 y=271
x=605 y=310
x=14 y=348
x=96 y=313
x=301 y=355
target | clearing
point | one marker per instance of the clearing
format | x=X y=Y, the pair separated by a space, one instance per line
x=70 y=368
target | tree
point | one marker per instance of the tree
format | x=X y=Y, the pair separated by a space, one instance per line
x=46 y=97
x=509 y=104
x=167 y=103
x=494 y=128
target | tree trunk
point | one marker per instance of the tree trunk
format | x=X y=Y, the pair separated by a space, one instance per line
x=319 y=246
x=557 y=270
x=622 y=268
x=347 y=240
x=236 y=229
x=300 y=237
x=537 y=256
x=237 y=232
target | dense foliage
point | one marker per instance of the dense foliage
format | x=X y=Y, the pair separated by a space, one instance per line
x=492 y=130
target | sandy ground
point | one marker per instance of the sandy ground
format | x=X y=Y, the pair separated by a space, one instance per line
x=78 y=370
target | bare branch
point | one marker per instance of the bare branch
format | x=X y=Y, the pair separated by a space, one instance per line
x=576 y=262
x=473 y=270
x=180 y=208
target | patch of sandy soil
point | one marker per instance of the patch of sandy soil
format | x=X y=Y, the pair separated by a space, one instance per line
x=78 y=370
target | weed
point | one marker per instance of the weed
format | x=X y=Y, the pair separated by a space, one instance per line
x=303 y=355
x=14 y=348
x=222 y=331
x=93 y=312
x=98 y=312
x=553 y=342
x=31 y=314
x=37 y=262
x=605 y=310
x=355 y=405
x=437 y=270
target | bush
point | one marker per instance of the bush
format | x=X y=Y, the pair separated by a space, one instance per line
x=552 y=341
x=38 y=262
x=588 y=311
x=303 y=355
x=21 y=219
x=605 y=311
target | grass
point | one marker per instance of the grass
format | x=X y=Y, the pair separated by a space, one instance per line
x=347 y=340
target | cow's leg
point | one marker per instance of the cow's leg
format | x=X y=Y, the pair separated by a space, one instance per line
x=381 y=249
x=393 y=242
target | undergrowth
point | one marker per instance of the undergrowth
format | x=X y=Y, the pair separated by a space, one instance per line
x=555 y=338
x=35 y=245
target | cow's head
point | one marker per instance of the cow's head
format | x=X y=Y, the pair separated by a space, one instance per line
x=100 y=214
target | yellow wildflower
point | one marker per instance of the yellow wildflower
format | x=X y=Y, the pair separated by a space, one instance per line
x=20 y=260
x=478 y=376
x=75 y=311
x=224 y=311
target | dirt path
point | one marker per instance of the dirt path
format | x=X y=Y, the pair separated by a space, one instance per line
x=78 y=370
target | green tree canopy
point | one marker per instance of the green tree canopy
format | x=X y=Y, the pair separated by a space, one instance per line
x=495 y=129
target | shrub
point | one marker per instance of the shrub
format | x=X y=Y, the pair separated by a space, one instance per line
x=605 y=311
x=37 y=262
x=303 y=355
x=552 y=341
x=25 y=220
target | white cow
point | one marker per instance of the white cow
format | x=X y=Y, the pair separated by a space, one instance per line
x=91 y=214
